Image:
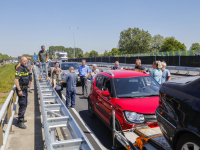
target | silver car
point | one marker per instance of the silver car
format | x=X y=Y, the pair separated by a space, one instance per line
x=65 y=68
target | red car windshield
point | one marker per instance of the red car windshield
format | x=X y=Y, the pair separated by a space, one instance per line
x=136 y=87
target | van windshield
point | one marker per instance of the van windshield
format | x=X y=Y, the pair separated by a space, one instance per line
x=134 y=87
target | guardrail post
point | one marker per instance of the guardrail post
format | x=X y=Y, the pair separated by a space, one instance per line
x=113 y=130
x=179 y=60
x=9 y=114
x=1 y=134
x=14 y=100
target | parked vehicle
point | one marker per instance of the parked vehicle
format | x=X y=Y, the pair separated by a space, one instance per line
x=178 y=113
x=132 y=94
x=65 y=67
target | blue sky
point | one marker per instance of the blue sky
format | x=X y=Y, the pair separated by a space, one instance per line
x=27 y=24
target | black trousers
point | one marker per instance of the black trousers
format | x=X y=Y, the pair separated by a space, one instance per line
x=60 y=94
x=84 y=84
x=22 y=103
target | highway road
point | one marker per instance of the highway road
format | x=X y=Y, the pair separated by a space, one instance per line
x=96 y=131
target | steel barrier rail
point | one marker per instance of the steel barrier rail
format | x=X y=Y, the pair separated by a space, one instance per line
x=149 y=67
x=63 y=118
x=9 y=106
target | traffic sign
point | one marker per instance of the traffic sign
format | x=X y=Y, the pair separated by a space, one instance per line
x=35 y=57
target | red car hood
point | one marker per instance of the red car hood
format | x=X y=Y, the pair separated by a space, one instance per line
x=141 y=105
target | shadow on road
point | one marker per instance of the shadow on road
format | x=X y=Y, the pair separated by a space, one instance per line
x=102 y=132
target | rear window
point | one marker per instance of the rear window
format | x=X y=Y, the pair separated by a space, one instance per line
x=66 y=66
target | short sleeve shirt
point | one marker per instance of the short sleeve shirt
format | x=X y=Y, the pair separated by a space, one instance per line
x=43 y=55
x=83 y=70
x=56 y=76
x=92 y=77
x=113 y=68
x=165 y=75
x=157 y=75
x=140 y=68
x=71 y=79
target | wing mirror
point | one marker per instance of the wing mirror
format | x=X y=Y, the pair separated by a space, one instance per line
x=105 y=93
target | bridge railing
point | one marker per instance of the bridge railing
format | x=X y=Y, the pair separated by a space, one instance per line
x=7 y=113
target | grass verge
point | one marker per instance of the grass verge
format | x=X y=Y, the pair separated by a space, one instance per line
x=7 y=76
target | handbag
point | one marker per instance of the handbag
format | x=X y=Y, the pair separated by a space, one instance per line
x=59 y=88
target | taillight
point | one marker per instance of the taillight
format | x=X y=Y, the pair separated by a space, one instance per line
x=160 y=99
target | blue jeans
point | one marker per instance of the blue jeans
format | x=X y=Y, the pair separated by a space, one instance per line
x=70 y=95
x=43 y=65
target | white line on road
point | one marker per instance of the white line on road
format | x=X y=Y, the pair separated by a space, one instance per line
x=87 y=127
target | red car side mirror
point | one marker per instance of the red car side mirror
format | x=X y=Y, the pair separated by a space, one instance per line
x=105 y=93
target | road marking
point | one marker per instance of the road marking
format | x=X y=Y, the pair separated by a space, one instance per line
x=87 y=127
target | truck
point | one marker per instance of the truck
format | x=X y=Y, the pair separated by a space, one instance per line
x=62 y=56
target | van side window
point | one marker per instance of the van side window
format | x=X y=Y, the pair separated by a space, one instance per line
x=99 y=81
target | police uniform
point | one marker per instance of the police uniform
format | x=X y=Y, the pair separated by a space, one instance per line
x=22 y=74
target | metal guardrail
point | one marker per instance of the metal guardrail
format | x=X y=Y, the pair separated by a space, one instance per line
x=149 y=67
x=7 y=113
x=52 y=105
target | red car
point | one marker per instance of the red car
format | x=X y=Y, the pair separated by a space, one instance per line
x=132 y=94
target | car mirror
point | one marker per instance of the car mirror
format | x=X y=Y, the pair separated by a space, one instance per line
x=105 y=93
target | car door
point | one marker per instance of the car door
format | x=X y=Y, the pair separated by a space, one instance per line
x=104 y=102
x=96 y=93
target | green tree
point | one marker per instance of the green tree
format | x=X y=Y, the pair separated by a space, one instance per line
x=114 y=51
x=79 y=55
x=171 y=44
x=1 y=57
x=93 y=53
x=106 y=53
x=157 y=42
x=195 y=46
x=134 y=41
x=86 y=54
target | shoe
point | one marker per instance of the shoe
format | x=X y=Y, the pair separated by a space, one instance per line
x=86 y=95
x=82 y=94
x=24 y=120
x=21 y=123
x=72 y=106
x=29 y=91
x=47 y=77
x=40 y=78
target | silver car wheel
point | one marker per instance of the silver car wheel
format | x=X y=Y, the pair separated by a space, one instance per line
x=190 y=146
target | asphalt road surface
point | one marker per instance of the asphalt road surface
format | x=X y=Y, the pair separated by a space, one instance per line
x=96 y=131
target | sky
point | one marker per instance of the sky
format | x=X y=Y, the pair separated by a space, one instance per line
x=25 y=25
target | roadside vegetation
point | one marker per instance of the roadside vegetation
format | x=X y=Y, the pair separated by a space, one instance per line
x=7 y=76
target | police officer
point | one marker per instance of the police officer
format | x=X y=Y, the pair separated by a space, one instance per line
x=21 y=82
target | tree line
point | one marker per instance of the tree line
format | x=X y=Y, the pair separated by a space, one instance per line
x=5 y=57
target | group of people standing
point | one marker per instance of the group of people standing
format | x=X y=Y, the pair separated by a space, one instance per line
x=159 y=72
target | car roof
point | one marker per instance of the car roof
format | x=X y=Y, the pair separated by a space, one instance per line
x=124 y=73
x=184 y=80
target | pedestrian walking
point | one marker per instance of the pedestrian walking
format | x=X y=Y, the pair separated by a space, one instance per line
x=116 y=67
x=43 y=58
x=30 y=65
x=71 y=80
x=56 y=79
x=138 y=65
x=166 y=76
x=93 y=72
x=22 y=82
x=157 y=72
x=84 y=71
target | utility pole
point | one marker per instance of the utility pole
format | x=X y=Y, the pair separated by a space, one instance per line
x=74 y=38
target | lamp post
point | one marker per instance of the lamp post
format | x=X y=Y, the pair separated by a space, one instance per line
x=74 y=38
